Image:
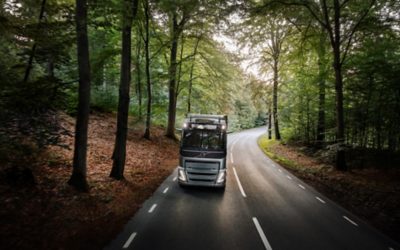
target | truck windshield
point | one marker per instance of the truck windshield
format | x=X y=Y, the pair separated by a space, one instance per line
x=203 y=140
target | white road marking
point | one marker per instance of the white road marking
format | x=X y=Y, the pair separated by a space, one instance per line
x=280 y=170
x=391 y=248
x=152 y=208
x=175 y=178
x=262 y=235
x=129 y=241
x=301 y=186
x=239 y=184
x=232 y=160
x=290 y=178
x=231 y=157
x=165 y=190
x=352 y=222
x=321 y=200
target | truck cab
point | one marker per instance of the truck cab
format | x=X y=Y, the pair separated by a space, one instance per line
x=203 y=150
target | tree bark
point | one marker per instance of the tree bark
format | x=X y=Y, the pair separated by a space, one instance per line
x=191 y=75
x=119 y=154
x=321 y=84
x=178 y=79
x=148 y=80
x=269 y=122
x=275 y=100
x=78 y=177
x=175 y=32
x=139 y=78
x=33 y=50
x=337 y=65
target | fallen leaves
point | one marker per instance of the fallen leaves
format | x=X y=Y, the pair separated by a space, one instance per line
x=53 y=215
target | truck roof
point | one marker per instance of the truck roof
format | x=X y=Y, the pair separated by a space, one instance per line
x=207 y=119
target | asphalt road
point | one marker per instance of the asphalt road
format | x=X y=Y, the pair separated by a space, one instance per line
x=263 y=207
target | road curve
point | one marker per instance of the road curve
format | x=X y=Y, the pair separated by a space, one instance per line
x=263 y=207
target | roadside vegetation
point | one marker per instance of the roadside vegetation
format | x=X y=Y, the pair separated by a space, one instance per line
x=85 y=83
x=372 y=193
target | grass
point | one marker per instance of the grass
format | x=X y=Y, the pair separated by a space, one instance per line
x=266 y=145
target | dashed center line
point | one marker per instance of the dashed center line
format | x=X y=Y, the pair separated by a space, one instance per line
x=280 y=170
x=290 y=178
x=262 y=235
x=301 y=186
x=239 y=184
x=165 y=190
x=129 y=241
x=349 y=220
x=321 y=200
x=175 y=178
x=152 y=208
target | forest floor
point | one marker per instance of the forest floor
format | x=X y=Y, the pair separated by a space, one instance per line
x=371 y=193
x=49 y=214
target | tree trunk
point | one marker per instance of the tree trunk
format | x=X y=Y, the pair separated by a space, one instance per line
x=269 y=122
x=337 y=65
x=78 y=177
x=275 y=100
x=139 y=78
x=175 y=32
x=33 y=50
x=119 y=153
x=191 y=75
x=148 y=80
x=178 y=79
x=321 y=84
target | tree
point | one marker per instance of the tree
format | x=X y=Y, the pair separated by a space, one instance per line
x=340 y=22
x=147 y=67
x=190 y=87
x=322 y=72
x=119 y=154
x=177 y=27
x=32 y=55
x=267 y=34
x=78 y=178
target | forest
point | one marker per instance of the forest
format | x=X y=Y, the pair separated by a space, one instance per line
x=320 y=73
x=324 y=74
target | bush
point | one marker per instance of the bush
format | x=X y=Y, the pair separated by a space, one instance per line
x=104 y=99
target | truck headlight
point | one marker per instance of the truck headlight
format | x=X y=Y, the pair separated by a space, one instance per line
x=221 y=177
x=182 y=175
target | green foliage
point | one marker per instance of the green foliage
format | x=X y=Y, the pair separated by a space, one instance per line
x=27 y=107
x=219 y=85
x=104 y=100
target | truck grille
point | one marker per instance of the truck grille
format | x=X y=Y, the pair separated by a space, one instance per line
x=202 y=171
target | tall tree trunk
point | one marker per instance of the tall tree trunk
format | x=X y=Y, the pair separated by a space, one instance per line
x=178 y=79
x=308 y=119
x=148 y=80
x=269 y=122
x=321 y=84
x=275 y=100
x=33 y=50
x=175 y=32
x=337 y=65
x=119 y=153
x=139 y=77
x=191 y=75
x=78 y=177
